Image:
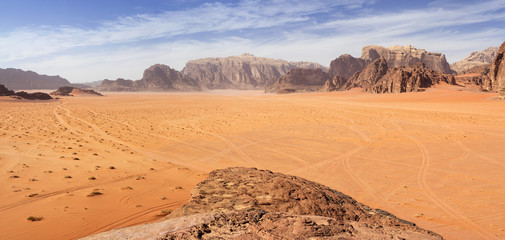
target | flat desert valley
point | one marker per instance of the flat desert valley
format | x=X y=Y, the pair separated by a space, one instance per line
x=436 y=158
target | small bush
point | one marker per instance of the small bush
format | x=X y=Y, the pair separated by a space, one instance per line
x=92 y=178
x=112 y=167
x=68 y=176
x=94 y=193
x=34 y=219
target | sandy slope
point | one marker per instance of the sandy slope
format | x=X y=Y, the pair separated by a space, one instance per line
x=434 y=157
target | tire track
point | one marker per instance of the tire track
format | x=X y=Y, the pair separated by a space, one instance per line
x=421 y=179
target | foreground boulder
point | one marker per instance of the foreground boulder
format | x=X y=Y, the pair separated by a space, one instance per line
x=72 y=91
x=246 y=203
x=300 y=80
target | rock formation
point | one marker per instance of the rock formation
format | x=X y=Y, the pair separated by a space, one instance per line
x=18 y=79
x=497 y=72
x=299 y=79
x=72 y=91
x=345 y=66
x=246 y=203
x=240 y=72
x=405 y=56
x=118 y=85
x=30 y=96
x=475 y=59
x=161 y=77
x=369 y=76
x=378 y=78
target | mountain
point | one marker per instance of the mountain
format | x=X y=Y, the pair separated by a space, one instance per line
x=406 y=56
x=18 y=79
x=247 y=203
x=118 y=85
x=369 y=76
x=475 y=59
x=299 y=79
x=240 y=72
x=345 y=66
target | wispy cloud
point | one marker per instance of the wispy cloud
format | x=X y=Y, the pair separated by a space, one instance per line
x=294 y=30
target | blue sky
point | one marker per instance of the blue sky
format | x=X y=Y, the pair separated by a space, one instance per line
x=96 y=39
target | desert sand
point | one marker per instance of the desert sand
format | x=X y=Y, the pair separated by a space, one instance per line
x=435 y=158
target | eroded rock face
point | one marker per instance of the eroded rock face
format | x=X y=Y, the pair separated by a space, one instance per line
x=369 y=76
x=497 y=72
x=405 y=56
x=161 y=77
x=475 y=59
x=300 y=79
x=240 y=72
x=30 y=96
x=72 y=91
x=5 y=92
x=346 y=65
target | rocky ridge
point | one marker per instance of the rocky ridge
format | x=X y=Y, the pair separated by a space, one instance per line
x=24 y=95
x=246 y=203
x=18 y=79
x=299 y=80
x=240 y=72
x=73 y=91
x=475 y=59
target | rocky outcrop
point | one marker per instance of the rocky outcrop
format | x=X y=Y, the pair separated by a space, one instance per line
x=240 y=72
x=497 y=72
x=161 y=77
x=409 y=79
x=24 y=95
x=246 y=203
x=405 y=56
x=333 y=84
x=369 y=76
x=18 y=79
x=118 y=85
x=475 y=59
x=299 y=80
x=72 y=91
x=378 y=78
x=5 y=92
x=346 y=65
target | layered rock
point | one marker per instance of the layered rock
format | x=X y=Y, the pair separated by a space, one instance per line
x=18 y=79
x=246 y=203
x=240 y=72
x=405 y=56
x=299 y=80
x=475 y=59
x=72 y=91
x=346 y=65
x=369 y=76
x=161 y=77
x=497 y=72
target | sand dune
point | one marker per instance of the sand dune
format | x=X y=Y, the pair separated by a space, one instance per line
x=435 y=158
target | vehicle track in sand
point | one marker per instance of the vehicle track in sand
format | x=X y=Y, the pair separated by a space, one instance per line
x=421 y=179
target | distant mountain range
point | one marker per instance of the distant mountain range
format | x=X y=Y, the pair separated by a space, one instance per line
x=17 y=79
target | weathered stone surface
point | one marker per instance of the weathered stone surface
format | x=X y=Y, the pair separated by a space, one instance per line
x=346 y=65
x=300 y=80
x=497 y=72
x=369 y=76
x=405 y=56
x=475 y=59
x=240 y=72
x=17 y=79
x=246 y=203
x=5 y=92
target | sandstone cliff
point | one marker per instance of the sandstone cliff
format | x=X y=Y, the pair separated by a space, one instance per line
x=118 y=85
x=299 y=79
x=18 y=79
x=369 y=76
x=405 y=56
x=475 y=59
x=246 y=203
x=497 y=72
x=161 y=77
x=346 y=65
x=240 y=72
